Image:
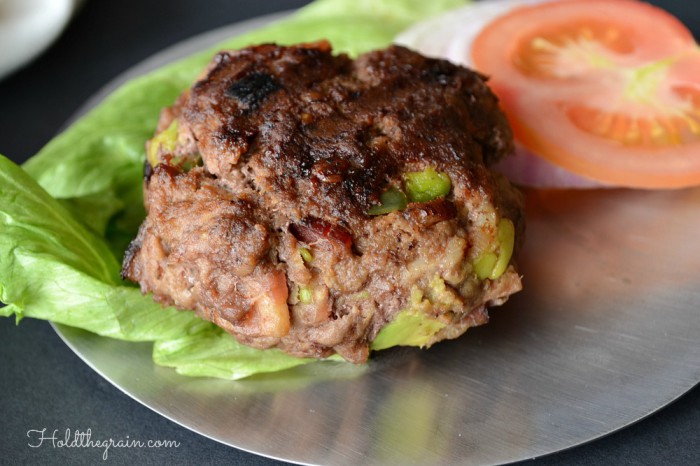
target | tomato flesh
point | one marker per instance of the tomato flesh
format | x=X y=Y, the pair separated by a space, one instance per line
x=651 y=111
x=571 y=49
x=586 y=86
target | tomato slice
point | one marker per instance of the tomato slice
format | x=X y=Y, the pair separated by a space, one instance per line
x=606 y=89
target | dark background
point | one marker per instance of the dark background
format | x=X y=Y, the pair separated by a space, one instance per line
x=43 y=384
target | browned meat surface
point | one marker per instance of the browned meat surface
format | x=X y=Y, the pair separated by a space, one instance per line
x=269 y=235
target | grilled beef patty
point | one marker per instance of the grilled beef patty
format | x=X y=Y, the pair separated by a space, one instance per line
x=261 y=179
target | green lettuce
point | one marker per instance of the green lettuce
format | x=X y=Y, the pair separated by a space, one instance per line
x=53 y=267
x=215 y=353
x=68 y=214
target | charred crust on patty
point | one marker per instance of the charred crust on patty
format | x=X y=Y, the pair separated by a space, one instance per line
x=264 y=176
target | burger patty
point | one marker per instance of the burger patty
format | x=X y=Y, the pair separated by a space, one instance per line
x=266 y=190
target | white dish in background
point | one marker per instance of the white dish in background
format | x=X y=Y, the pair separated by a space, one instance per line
x=28 y=27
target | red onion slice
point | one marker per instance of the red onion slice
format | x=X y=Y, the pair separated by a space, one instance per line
x=527 y=169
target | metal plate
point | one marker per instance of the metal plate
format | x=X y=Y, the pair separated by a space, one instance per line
x=605 y=333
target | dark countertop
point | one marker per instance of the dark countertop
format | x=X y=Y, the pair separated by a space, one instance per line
x=43 y=384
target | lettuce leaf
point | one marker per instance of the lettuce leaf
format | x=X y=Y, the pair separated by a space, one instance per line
x=213 y=353
x=54 y=268
x=68 y=215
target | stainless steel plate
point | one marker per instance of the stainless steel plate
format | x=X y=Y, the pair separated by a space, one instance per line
x=605 y=333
